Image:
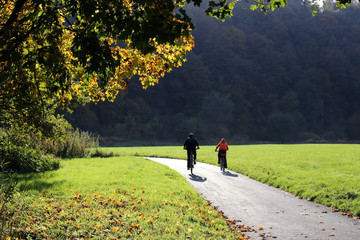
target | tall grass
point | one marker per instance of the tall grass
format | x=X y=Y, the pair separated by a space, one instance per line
x=324 y=173
x=75 y=144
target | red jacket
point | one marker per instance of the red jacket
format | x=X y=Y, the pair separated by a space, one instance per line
x=222 y=146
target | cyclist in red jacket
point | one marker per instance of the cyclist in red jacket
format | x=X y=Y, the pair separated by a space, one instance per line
x=223 y=147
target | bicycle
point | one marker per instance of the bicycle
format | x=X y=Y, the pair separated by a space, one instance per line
x=191 y=155
x=222 y=162
x=191 y=162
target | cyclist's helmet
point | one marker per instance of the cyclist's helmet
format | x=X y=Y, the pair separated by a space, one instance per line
x=191 y=135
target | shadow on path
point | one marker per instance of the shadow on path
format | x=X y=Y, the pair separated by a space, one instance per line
x=227 y=173
x=197 y=178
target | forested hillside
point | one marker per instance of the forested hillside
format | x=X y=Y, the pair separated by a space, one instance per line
x=286 y=76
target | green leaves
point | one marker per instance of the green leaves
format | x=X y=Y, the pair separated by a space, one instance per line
x=342 y=3
x=220 y=10
x=266 y=5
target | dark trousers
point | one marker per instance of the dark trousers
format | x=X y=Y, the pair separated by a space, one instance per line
x=189 y=151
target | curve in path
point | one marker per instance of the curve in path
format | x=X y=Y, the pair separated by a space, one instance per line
x=282 y=215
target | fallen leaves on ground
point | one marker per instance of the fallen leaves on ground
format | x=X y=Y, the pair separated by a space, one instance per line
x=125 y=214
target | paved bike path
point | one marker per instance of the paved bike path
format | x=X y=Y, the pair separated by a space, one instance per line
x=282 y=215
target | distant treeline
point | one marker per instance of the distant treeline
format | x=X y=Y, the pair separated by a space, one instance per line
x=285 y=77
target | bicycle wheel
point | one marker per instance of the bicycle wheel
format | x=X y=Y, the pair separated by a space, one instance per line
x=191 y=163
x=222 y=164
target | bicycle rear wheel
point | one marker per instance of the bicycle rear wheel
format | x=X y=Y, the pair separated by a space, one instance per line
x=191 y=163
x=222 y=164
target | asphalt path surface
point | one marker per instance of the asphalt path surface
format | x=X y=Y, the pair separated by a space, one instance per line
x=282 y=215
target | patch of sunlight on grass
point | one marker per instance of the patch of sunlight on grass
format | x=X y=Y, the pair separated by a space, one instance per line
x=116 y=198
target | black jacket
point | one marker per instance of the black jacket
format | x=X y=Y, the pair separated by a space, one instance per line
x=191 y=143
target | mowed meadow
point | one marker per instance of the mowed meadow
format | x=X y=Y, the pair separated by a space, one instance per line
x=127 y=196
x=323 y=173
x=123 y=197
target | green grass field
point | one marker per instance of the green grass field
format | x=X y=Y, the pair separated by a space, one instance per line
x=122 y=197
x=324 y=173
x=130 y=197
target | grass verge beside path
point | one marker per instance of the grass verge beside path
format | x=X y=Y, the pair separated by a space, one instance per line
x=323 y=173
x=115 y=198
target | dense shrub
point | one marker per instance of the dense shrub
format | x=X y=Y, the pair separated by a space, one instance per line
x=19 y=155
x=24 y=159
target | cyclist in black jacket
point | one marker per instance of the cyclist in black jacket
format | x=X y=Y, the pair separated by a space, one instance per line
x=191 y=145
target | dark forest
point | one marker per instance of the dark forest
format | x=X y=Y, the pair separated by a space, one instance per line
x=283 y=77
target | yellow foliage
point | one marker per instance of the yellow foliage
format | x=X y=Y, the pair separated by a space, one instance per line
x=79 y=83
x=6 y=9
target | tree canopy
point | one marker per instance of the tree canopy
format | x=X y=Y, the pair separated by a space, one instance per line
x=56 y=52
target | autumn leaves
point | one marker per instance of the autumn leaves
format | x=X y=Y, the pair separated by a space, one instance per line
x=116 y=215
